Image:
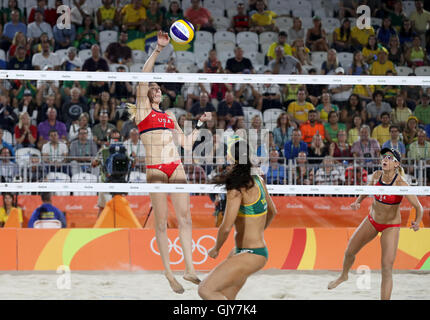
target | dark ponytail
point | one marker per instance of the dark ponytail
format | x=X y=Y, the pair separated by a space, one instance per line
x=239 y=176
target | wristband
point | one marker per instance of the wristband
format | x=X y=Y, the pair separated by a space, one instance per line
x=199 y=124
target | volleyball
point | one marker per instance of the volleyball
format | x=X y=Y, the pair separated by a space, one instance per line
x=182 y=31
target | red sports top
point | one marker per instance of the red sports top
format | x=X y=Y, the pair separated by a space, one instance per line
x=155 y=120
x=390 y=200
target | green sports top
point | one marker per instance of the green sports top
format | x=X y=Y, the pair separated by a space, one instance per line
x=257 y=208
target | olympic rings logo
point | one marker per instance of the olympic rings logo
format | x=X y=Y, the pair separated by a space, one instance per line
x=178 y=249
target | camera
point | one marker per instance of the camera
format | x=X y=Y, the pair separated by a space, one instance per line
x=118 y=165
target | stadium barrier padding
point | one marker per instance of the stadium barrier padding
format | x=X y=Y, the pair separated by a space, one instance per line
x=136 y=249
x=293 y=211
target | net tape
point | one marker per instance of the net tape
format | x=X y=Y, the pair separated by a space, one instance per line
x=213 y=78
x=208 y=188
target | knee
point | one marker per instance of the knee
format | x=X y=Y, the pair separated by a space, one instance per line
x=203 y=291
x=184 y=219
x=387 y=268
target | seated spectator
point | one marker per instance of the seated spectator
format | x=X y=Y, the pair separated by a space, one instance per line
x=95 y=62
x=192 y=93
x=47 y=87
x=241 y=21
x=8 y=117
x=135 y=148
x=128 y=125
x=212 y=65
x=35 y=171
x=37 y=28
x=270 y=96
x=11 y=28
x=200 y=17
x=283 y=131
x=416 y=56
x=267 y=145
x=311 y=128
x=202 y=106
x=381 y=132
x=239 y=64
x=410 y=133
x=332 y=127
x=376 y=108
x=340 y=149
x=420 y=18
x=295 y=145
x=82 y=150
x=71 y=62
x=419 y=149
x=64 y=37
x=282 y=43
x=296 y=31
x=301 y=52
x=401 y=112
x=330 y=173
x=394 y=141
x=8 y=170
x=104 y=103
x=395 y=54
x=73 y=108
x=47 y=212
x=325 y=107
x=332 y=63
x=304 y=175
x=87 y=35
x=102 y=129
x=342 y=41
x=54 y=152
x=315 y=91
x=154 y=17
x=397 y=15
x=43 y=106
x=123 y=91
x=19 y=40
x=382 y=65
x=317 y=150
x=298 y=110
x=133 y=16
x=195 y=173
x=49 y=14
x=365 y=92
x=357 y=177
x=81 y=9
x=95 y=89
x=229 y=110
x=20 y=61
x=27 y=104
x=106 y=16
x=276 y=172
x=9 y=203
x=173 y=13
x=46 y=126
x=412 y=94
x=45 y=58
x=385 y=32
x=284 y=64
x=366 y=147
x=7 y=10
x=82 y=123
x=422 y=111
x=370 y=50
x=354 y=132
x=406 y=35
x=359 y=66
x=25 y=132
x=263 y=20
x=316 y=37
x=340 y=93
x=390 y=91
x=256 y=124
x=360 y=36
x=119 y=52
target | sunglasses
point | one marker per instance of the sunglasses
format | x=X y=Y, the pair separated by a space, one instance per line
x=389 y=157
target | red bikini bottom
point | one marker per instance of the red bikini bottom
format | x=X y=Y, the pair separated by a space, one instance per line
x=381 y=227
x=167 y=168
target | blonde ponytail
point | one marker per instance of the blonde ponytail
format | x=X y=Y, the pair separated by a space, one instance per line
x=132 y=110
x=401 y=171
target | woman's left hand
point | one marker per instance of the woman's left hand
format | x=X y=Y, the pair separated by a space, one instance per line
x=415 y=226
x=213 y=253
x=206 y=116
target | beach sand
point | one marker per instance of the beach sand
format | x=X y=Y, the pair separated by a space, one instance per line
x=151 y=285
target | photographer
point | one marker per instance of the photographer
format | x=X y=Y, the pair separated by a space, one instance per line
x=103 y=160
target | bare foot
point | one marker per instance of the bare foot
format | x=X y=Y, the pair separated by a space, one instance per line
x=175 y=285
x=192 y=278
x=337 y=282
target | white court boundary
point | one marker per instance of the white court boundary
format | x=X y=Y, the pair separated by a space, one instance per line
x=208 y=188
x=212 y=78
